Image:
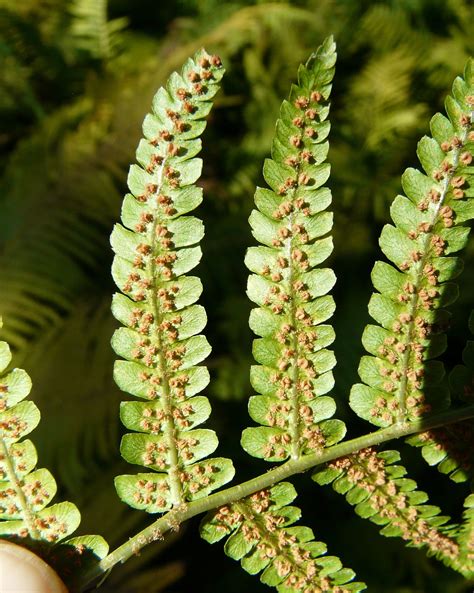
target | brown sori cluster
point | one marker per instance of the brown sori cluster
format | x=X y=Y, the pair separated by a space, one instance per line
x=156 y=492
x=390 y=499
x=416 y=317
x=17 y=455
x=150 y=492
x=13 y=427
x=50 y=528
x=289 y=296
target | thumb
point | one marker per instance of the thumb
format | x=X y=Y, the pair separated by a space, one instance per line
x=21 y=571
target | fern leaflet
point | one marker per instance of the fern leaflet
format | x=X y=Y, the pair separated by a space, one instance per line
x=292 y=223
x=92 y=29
x=154 y=250
x=402 y=381
x=26 y=515
x=261 y=536
x=379 y=491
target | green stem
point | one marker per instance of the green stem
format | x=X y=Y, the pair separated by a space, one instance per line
x=173 y=519
x=28 y=515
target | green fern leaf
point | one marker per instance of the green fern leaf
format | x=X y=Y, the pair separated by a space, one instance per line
x=401 y=379
x=26 y=515
x=379 y=491
x=292 y=225
x=260 y=533
x=161 y=344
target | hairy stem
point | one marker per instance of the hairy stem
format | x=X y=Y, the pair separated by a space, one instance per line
x=173 y=519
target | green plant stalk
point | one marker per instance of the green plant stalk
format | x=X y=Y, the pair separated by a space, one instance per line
x=173 y=519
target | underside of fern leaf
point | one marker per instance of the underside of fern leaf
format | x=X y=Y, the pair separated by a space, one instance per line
x=292 y=225
x=380 y=492
x=154 y=250
x=26 y=515
x=296 y=368
x=262 y=536
x=401 y=379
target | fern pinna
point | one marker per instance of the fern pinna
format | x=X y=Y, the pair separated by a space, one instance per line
x=154 y=250
x=293 y=224
x=26 y=515
x=402 y=381
x=295 y=372
x=262 y=537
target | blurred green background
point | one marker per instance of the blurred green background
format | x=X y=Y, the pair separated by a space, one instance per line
x=76 y=79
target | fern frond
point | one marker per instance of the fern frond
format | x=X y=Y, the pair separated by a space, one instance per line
x=379 y=491
x=25 y=492
x=401 y=379
x=160 y=343
x=293 y=225
x=260 y=535
x=26 y=514
x=379 y=96
x=92 y=29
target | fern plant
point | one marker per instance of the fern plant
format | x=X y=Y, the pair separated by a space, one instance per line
x=404 y=391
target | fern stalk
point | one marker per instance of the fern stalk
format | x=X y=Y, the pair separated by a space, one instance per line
x=170 y=431
x=175 y=517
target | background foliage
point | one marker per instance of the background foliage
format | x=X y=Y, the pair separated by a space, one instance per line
x=77 y=78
